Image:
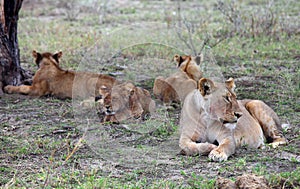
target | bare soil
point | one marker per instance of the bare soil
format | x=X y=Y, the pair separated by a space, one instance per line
x=44 y=141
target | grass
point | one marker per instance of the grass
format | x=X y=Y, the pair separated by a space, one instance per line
x=38 y=135
x=285 y=179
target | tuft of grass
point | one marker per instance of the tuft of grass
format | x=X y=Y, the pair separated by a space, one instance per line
x=285 y=179
x=197 y=181
x=37 y=135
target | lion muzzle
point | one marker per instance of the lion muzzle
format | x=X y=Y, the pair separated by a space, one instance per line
x=109 y=111
x=231 y=119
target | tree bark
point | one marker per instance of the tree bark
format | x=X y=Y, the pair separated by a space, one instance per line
x=11 y=72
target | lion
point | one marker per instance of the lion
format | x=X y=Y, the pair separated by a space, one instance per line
x=123 y=102
x=214 y=123
x=50 y=79
x=175 y=87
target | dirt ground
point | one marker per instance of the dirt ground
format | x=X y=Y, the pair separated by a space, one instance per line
x=31 y=127
x=47 y=142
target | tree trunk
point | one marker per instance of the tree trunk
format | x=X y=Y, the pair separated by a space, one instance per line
x=11 y=72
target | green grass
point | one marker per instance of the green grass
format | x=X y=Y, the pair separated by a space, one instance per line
x=285 y=179
x=37 y=135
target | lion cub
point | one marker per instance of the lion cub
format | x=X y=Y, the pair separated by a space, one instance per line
x=124 y=101
x=50 y=79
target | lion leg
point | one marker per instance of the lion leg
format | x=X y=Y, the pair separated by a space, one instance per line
x=223 y=151
x=158 y=87
x=268 y=120
x=23 y=89
x=190 y=148
x=34 y=90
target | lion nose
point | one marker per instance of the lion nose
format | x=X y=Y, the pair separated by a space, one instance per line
x=109 y=111
x=238 y=114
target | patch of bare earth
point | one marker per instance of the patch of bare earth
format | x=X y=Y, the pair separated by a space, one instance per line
x=41 y=141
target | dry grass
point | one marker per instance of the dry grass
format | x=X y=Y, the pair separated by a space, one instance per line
x=44 y=145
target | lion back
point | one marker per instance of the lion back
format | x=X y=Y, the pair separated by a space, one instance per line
x=164 y=91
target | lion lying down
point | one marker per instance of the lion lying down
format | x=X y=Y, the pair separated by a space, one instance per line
x=50 y=79
x=214 y=122
x=121 y=101
x=175 y=87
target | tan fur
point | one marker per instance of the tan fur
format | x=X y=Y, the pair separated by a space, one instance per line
x=144 y=97
x=175 y=87
x=210 y=122
x=126 y=101
x=188 y=65
x=50 y=79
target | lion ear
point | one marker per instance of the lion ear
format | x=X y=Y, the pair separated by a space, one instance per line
x=206 y=86
x=57 y=56
x=132 y=91
x=179 y=59
x=37 y=56
x=230 y=84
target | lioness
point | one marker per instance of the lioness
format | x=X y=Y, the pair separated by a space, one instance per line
x=50 y=79
x=125 y=101
x=214 y=122
x=178 y=85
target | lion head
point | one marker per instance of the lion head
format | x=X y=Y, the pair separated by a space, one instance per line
x=125 y=101
x=219 y=101
x=46 y=59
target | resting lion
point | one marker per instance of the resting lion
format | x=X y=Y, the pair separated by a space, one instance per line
x=214 y=122
x=123 y=102
x=50 y=79
x=175 y=87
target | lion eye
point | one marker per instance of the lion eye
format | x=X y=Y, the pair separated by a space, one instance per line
x=45 y=63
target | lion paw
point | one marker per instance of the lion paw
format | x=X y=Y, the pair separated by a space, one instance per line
x=88 y=103
x=278 y=142
x=8 y=89
x=216 y=155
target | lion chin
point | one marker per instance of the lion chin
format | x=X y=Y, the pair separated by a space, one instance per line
x=230 y=126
